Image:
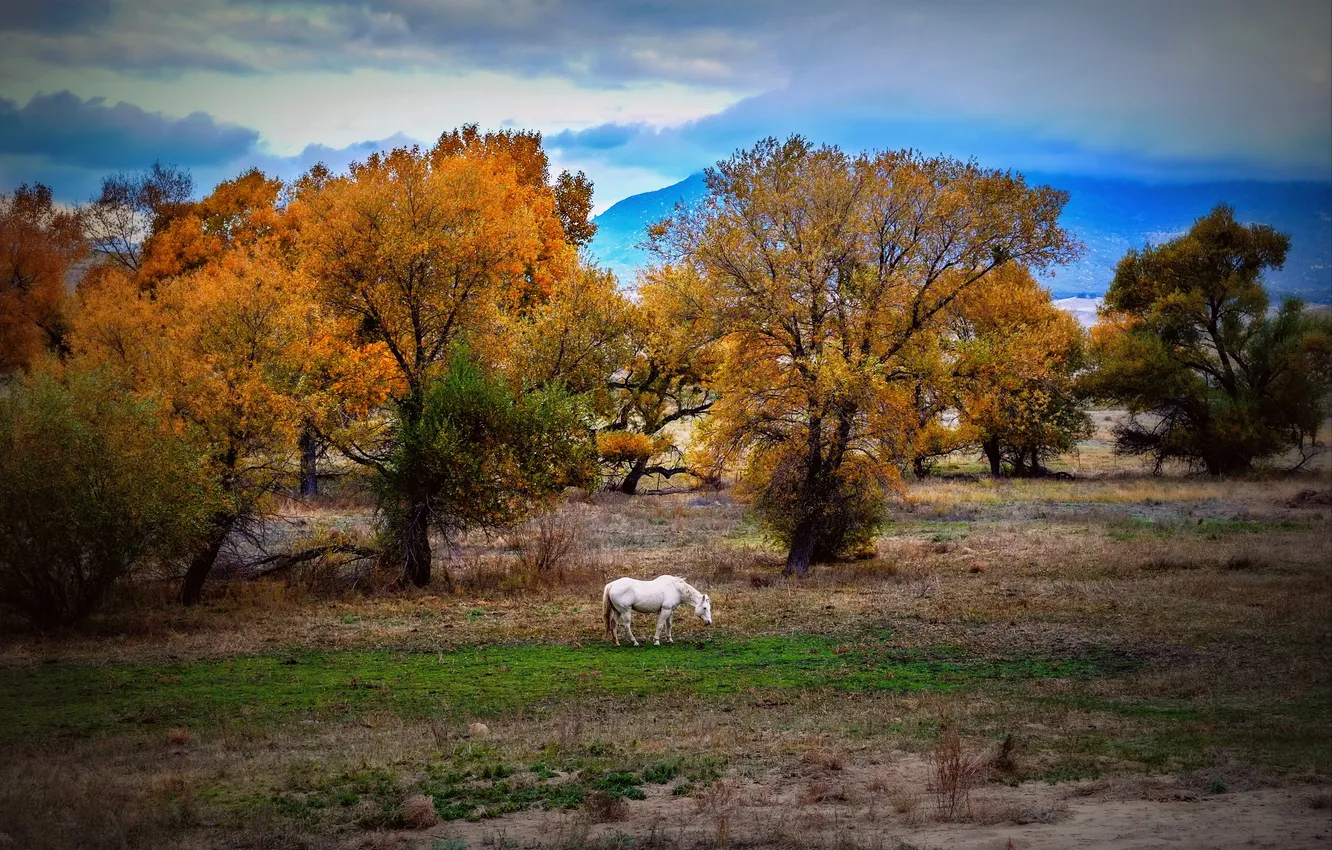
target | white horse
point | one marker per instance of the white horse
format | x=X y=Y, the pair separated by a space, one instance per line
x=661 y=596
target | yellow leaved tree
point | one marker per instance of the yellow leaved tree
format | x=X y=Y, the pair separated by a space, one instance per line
x=1017 y=359
x=820 y=270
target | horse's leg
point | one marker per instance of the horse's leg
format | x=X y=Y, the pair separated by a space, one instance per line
x=670 y=620
x=663 y=622
x=615 y=625
x=628 y=625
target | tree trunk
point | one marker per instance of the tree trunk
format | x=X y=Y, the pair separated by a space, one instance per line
x=309 y=463
x=629 y=485
x=802 y=548
x=191 y=589
x=414 y=543
x=991 y=448
x=920 y=468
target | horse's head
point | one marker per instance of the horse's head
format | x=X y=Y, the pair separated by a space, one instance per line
x=704 y=609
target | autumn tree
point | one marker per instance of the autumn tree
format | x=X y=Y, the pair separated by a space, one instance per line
x=225 y=343
x=574 y=338
x=931 y=368
x=426 y=251
x=572 y=192
x=41 y=246
x=1210 y=376
x=1018 y=356
x=821 y=268
x=238 y=214
x=662 y=383
x=131 y=207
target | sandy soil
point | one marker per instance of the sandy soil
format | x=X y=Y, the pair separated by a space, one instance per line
x=888 y=808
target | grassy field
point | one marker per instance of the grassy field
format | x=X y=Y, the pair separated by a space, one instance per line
x=1120 y=633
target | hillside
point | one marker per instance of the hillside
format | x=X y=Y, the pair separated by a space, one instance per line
x=1109 y=216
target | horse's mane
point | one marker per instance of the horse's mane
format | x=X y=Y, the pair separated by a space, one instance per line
x=695 y=595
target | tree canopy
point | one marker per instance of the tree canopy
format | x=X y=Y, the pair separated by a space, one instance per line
x=40 y=248
x=818 y=270
x=1210 y=375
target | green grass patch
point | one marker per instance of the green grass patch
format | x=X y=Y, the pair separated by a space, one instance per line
x=67 y=699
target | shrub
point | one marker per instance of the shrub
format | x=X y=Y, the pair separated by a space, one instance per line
x=853 y=505
x=91 y=486
x=548 y=543
x=954 y=772
x=470 y=453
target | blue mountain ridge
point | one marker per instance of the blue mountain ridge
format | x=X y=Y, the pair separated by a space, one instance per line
x=1108 y=216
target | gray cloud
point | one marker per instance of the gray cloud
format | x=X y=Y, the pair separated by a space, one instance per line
x=1200 y=84
x=64 y=130
x=53 y=16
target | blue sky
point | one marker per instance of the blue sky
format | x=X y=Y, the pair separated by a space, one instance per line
x=641 y=94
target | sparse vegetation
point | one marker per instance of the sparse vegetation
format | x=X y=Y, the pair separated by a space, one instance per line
x=1106 y=657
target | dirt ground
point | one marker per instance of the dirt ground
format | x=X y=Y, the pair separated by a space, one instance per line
x=846 y=812
x=1157 y=650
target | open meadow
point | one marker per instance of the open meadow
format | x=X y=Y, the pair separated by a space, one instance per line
x=1109 y=661
x=958 y=376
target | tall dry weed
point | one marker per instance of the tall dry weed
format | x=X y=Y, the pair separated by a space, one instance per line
x=719 y=801
x=954 y=772
x=548 y=543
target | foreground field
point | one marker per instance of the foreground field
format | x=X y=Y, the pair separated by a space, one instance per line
x=1112 y=662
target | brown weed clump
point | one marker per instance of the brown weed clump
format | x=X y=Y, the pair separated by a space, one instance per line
x=954 y=772
x=600 y=807
x=418 y=812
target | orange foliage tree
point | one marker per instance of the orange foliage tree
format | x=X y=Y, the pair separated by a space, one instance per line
x=820 y=270
x=572 y=192
x=220 y=327
x=40 y=248
x=661 y=384
x=428 y=252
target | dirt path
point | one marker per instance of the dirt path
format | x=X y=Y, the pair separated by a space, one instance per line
x=1274 y=818
x=885 y=809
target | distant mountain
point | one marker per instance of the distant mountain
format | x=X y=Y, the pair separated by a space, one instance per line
x=1083 y=308
x=1109 y=216
x=624 y=225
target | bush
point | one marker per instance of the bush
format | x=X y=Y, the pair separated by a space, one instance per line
x=470 y=453
x=853 y=507
x=91 y=486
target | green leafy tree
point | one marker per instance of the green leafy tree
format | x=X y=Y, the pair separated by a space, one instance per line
x=92 y=485
x=1210 y=376
x=477 y=455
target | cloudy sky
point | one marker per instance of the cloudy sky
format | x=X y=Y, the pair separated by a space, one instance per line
x=641 y=94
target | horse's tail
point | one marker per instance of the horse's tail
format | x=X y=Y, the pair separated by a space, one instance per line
x=606 y=611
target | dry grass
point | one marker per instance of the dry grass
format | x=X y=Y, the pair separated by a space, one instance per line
x=1217 y=590
x=955 y=771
